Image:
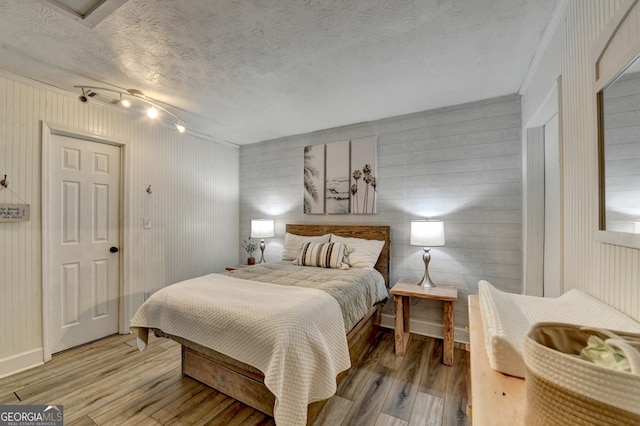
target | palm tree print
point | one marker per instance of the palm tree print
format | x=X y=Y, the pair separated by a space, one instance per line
x=310 y=172
x=370 y=181
x=357 y=174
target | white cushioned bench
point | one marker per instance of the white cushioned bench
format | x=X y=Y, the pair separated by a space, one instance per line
x=507 y=318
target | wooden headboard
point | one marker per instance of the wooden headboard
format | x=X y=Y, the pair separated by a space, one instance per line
x=382 y=233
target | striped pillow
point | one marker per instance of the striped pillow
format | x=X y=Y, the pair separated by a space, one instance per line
x=323 y=255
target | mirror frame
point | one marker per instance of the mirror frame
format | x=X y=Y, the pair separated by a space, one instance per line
x=607 y=70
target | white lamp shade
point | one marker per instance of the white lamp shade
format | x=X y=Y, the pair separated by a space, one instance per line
x=426 y=233
x=262 y=228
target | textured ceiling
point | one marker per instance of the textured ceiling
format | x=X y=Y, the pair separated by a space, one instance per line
x=250 y=70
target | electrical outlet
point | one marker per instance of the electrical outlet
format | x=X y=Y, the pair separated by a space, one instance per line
x=146 y=222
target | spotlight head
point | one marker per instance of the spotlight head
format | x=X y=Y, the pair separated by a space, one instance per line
x=180 y=127
x=125 y=103
x=152 y=112
x=86 y=94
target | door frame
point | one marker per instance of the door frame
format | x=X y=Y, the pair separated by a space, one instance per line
x=48 y=130
x=533 y=132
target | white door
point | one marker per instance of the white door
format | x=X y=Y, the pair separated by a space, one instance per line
x=552 y=230
x=83 y=220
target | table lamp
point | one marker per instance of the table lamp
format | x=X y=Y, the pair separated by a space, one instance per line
x=427 y=234
x=262 y=228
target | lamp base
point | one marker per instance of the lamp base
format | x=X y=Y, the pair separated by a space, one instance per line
x=262 y=251
x=426 y=279
x=426 y=282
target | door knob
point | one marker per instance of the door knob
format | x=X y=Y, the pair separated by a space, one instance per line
x=113 y=249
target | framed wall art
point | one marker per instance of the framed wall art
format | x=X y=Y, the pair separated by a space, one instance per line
x=337 y=182
x=340 y=177
x=314 y=179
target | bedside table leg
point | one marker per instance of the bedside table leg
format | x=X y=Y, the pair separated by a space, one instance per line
x=402 y=331
x=447 y=351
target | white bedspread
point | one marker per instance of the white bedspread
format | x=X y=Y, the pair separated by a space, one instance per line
x=271 y=327
x=507 y=318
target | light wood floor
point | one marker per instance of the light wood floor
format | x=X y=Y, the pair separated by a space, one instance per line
x=109 y=382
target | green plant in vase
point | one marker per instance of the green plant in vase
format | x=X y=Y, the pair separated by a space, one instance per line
x=250 y=246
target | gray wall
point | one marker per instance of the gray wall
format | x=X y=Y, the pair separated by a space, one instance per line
x=460 y=164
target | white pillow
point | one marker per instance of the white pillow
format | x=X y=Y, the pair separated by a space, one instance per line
x=323 y=255
x=363 y=253
x=293 y=243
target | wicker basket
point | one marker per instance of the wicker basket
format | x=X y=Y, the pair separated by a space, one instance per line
x=562 y=389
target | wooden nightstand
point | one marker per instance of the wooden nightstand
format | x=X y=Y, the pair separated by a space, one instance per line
x=402 y=292
x=233 y=268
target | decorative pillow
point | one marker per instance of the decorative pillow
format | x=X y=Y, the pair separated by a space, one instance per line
x=323 y=255
x=293 y=243
x=363 y=254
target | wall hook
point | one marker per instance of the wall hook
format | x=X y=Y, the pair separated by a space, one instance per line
x=149 y=190
x=4 y=182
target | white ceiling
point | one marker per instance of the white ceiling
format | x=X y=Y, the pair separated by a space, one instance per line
x=250 y=70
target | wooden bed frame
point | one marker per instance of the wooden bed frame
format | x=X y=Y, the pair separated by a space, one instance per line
x=245 y=383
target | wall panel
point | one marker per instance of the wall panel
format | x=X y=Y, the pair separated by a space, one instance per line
x=607 y=272
x=461 y=164
x=194 y=205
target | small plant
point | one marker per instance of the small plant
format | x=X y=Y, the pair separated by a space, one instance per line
x=250 y=246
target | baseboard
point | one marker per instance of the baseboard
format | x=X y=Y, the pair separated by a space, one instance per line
x=20 y=362
x=427 y=328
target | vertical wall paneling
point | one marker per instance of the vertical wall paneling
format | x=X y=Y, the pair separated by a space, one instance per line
x=605 y=271
x=194 y=206
x=542 y=203
x=533 y=259
x=461 y=164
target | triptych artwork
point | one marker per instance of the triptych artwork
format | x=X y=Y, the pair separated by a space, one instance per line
x=340 y=177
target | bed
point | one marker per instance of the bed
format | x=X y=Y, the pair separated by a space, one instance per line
x=243 y=377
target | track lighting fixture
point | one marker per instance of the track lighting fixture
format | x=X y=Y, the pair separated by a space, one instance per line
x=124 y=102
x=152 y=112
x=86 y=94
x=125 y=98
